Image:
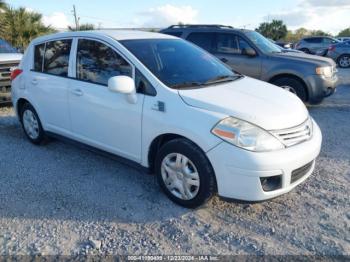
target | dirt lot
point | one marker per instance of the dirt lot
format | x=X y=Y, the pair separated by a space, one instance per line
x=60 y=199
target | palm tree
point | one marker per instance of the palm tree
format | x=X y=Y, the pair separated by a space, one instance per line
x=83 y=27
x=19 y=27
x=3 y=5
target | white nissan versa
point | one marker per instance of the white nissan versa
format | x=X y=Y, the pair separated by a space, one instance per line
x=170 y=106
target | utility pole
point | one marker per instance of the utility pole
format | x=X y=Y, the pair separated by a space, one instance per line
x=76 y=19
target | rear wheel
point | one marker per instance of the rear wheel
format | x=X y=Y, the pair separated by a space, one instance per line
x=31 y=124
x=184 y=173
x=344 y=61
x=292 y=85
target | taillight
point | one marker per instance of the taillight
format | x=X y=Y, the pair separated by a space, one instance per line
x=331 y=48
x=16 y=72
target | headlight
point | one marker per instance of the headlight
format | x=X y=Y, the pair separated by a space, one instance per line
x=246 y=135
x=326 y=71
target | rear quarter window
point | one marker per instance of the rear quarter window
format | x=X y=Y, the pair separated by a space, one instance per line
x=39 y=57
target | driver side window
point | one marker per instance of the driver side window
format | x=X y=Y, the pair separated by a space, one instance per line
x=97 y=62
x=243 y=45
x=231 y=44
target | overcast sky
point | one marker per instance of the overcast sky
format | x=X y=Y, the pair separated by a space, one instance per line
x=327 y=15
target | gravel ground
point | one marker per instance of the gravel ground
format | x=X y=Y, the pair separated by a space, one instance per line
x=62 y=200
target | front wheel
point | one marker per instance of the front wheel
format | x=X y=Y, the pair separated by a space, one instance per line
x=344 y=61
x=31 y=124
x=184 y=173
x=292 y=85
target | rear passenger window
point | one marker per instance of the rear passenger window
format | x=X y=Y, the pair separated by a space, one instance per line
x=204 y=40
x=38 y=57
x=96 y=62
x=56 y=59
x=314 y=40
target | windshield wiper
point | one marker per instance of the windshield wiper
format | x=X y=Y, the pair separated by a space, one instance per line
x=186 y=85
x=223 y=78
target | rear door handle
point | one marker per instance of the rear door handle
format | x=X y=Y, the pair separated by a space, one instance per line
x=77 y=92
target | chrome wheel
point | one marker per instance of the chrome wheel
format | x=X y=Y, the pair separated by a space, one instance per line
x=180 y=176
x=344 y=61
x=31 y=124
x=289 y=89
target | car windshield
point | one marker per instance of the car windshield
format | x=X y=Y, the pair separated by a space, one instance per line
x=263 y=43
x=6 y=47
x=180 y=64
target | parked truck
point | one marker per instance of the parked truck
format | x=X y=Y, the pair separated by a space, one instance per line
x=9 y=59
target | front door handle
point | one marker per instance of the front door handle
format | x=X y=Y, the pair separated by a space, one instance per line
x=77 y=92
x=35 y=81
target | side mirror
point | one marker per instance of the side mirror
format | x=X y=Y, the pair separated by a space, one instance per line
x=123 y=85
x=248 y=52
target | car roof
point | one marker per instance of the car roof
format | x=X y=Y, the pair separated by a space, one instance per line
x=204 y=28
x=115 y=34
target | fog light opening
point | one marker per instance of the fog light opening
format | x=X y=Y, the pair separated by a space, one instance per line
x=271 y=183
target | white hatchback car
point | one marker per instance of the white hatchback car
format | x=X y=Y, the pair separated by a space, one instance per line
x=170 y=106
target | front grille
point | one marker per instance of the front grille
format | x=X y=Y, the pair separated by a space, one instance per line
x=5 y=81
x=295 y=135
x=300 y=172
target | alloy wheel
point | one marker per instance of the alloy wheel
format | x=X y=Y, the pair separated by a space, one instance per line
x=289 y=89
x=344 y=61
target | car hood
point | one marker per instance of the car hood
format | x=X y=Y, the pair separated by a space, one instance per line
x=302 y=57
x=10 y=57
x=257 y=102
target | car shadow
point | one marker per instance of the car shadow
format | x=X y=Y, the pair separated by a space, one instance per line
x=62 y=181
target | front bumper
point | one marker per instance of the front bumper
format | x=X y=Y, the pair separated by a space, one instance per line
x=320 y=87
x=238 y=171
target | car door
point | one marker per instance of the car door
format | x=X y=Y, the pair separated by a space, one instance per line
x=49 y=83
x=99 y=117
x=231 y=49
x=316 y=44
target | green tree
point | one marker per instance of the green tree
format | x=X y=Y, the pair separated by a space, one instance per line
x=344 y=33
x=275 y=30
x=3 y=5
x=19 y=27
x=83 y=27
x=319 y=33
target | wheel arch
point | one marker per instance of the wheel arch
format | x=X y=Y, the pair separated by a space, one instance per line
x=288 y=75
x=158 y=142
x=19 y=104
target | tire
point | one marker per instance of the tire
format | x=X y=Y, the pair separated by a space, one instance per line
x=295 y=85
x=344 y=61
x=165 y=164
x=305 y=50
x=31 y=125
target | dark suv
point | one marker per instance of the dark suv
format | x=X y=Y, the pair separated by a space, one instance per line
x=312 y=78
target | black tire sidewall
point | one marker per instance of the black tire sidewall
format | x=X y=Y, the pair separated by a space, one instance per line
x=41 y=138
x=296 y=84
x=207 y=184
x=305 y=50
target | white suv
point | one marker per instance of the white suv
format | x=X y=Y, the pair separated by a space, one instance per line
x=169 y=106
